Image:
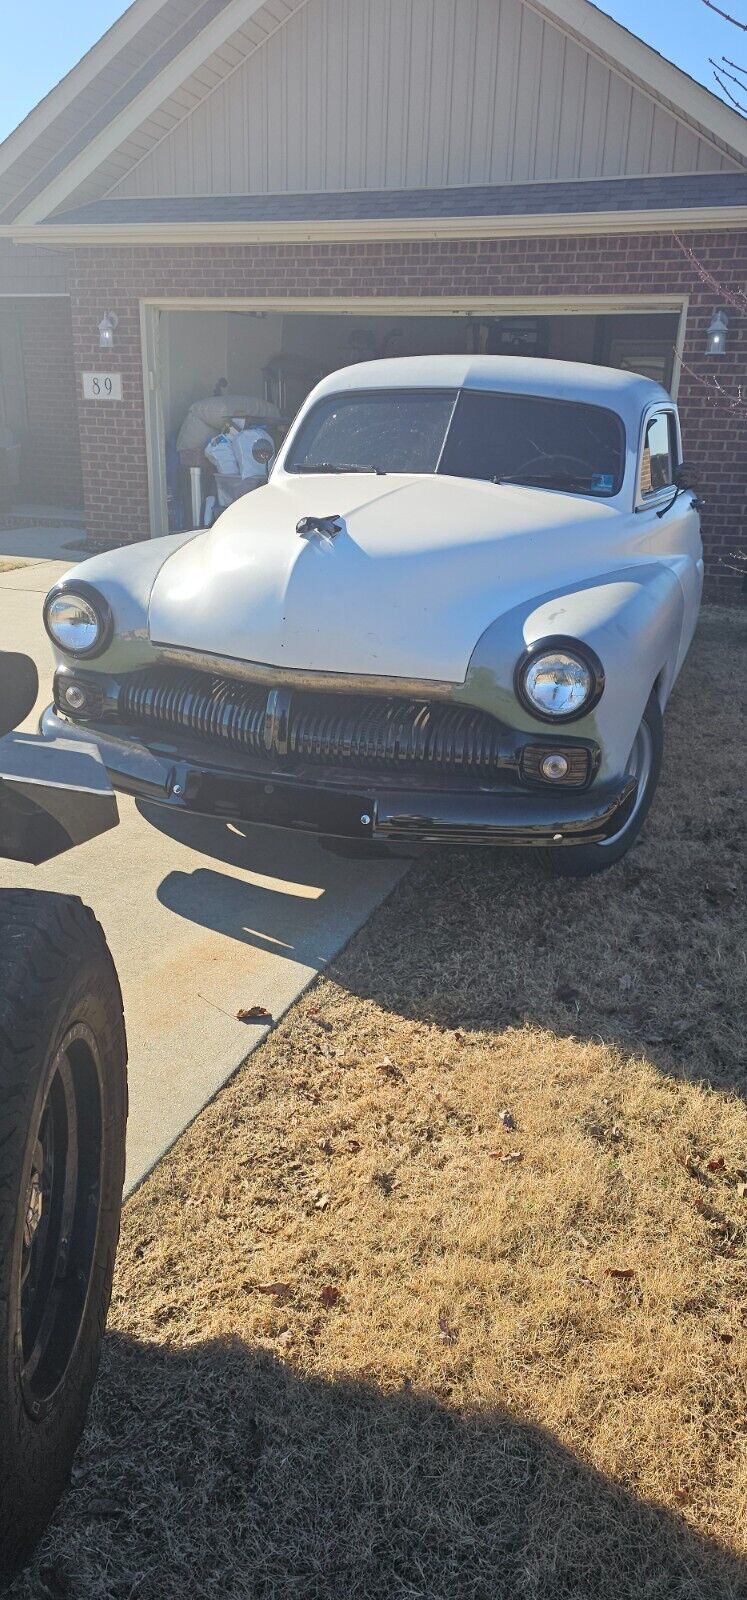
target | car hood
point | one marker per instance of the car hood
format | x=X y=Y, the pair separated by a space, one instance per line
x=420 y=568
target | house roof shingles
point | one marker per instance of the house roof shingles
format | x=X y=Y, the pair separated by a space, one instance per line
x=503 y=200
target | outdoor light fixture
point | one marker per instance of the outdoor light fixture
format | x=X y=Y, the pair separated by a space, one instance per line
x=717 y=331
x=107 y=326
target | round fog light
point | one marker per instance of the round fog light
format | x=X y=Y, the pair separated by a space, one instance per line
x=74 y=697
x=554 y=766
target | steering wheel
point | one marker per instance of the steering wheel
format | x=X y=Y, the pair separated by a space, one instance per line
x=545 y=457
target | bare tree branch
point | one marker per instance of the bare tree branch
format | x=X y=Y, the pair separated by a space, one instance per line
x=720 y=66
x=725 y=14
x=734 y=400
x=727 y=92
x=736 y=298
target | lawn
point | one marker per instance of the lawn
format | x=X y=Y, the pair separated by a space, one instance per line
x=445 y=1296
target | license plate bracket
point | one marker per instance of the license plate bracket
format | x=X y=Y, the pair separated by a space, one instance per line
x=281 y=804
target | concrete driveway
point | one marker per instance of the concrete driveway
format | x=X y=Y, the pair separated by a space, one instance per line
x=203 y=918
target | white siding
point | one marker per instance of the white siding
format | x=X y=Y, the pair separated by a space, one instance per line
x=357 y=94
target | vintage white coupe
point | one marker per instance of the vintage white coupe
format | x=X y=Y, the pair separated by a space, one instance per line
x=455 y=613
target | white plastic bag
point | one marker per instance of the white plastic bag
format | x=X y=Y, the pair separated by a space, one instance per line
x=220 y=452
x=244 y=445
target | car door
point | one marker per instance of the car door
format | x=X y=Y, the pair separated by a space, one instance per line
x=669 y=527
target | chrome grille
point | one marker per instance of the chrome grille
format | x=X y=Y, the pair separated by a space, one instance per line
x=349 y=730
x=210 y=708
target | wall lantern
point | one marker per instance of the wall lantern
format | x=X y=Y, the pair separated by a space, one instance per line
x=107 y=326
x=717 y=331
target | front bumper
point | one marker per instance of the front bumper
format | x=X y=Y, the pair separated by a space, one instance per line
x=352 y=810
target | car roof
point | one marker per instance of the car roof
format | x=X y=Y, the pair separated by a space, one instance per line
x=627 y=393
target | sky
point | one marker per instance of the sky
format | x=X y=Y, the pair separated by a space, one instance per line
x=40 y=46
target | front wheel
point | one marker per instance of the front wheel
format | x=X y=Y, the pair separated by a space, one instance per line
x=63 y=1107
x=644 y=763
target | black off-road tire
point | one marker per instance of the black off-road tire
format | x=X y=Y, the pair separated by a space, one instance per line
x=584 y=860
x=63 y=1061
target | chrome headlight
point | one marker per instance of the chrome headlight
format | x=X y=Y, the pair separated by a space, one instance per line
x=77 y=619
x=559 y=679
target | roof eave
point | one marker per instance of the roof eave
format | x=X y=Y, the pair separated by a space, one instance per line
x=690 y=219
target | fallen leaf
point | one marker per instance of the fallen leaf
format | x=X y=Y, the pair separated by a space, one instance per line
x=448 y=1334
x=388 y=1068
x=330 y=1295
x=354 y=1145
x=280 y=1290
x=513 y=1155
x=717 y=1164
x=284 y=1338
x=720 y=892
x=254 y=1014
x=103 y=1508
x=726 y=1338
x=682 y=1496
x=384 y=1181
x=742 y=1191
x=624 y=1274
x=322 y=1202
x=508 y=1121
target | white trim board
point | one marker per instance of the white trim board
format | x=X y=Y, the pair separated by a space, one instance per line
x=125 y=28
x=538 y=226
x=190 y=59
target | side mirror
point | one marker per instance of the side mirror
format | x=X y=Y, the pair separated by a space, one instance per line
x=19 y=687
x=684 y=477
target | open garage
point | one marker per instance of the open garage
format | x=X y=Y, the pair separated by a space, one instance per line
x=243 y=354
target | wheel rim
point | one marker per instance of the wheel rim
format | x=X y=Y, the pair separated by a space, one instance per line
x=640 y=766
x=59 y=1221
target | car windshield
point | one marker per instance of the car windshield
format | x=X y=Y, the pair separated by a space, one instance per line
x=466 y=433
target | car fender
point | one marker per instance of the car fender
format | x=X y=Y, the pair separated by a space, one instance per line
x=632 y=619
x=125 y=578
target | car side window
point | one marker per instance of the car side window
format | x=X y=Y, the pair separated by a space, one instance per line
x=659 y=454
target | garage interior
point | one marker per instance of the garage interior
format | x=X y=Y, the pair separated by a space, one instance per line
x=277 y=357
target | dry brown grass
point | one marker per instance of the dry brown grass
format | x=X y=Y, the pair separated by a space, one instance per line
x=454 y=1398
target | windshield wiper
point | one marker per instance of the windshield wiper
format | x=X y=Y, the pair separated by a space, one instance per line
x=549 y=480
x=334 y=466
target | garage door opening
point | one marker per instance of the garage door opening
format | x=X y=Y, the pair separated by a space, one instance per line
x=264 y=363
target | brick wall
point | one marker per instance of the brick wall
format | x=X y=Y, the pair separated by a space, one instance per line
x=25 y=269
x=113 y=438
x=51 y=464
